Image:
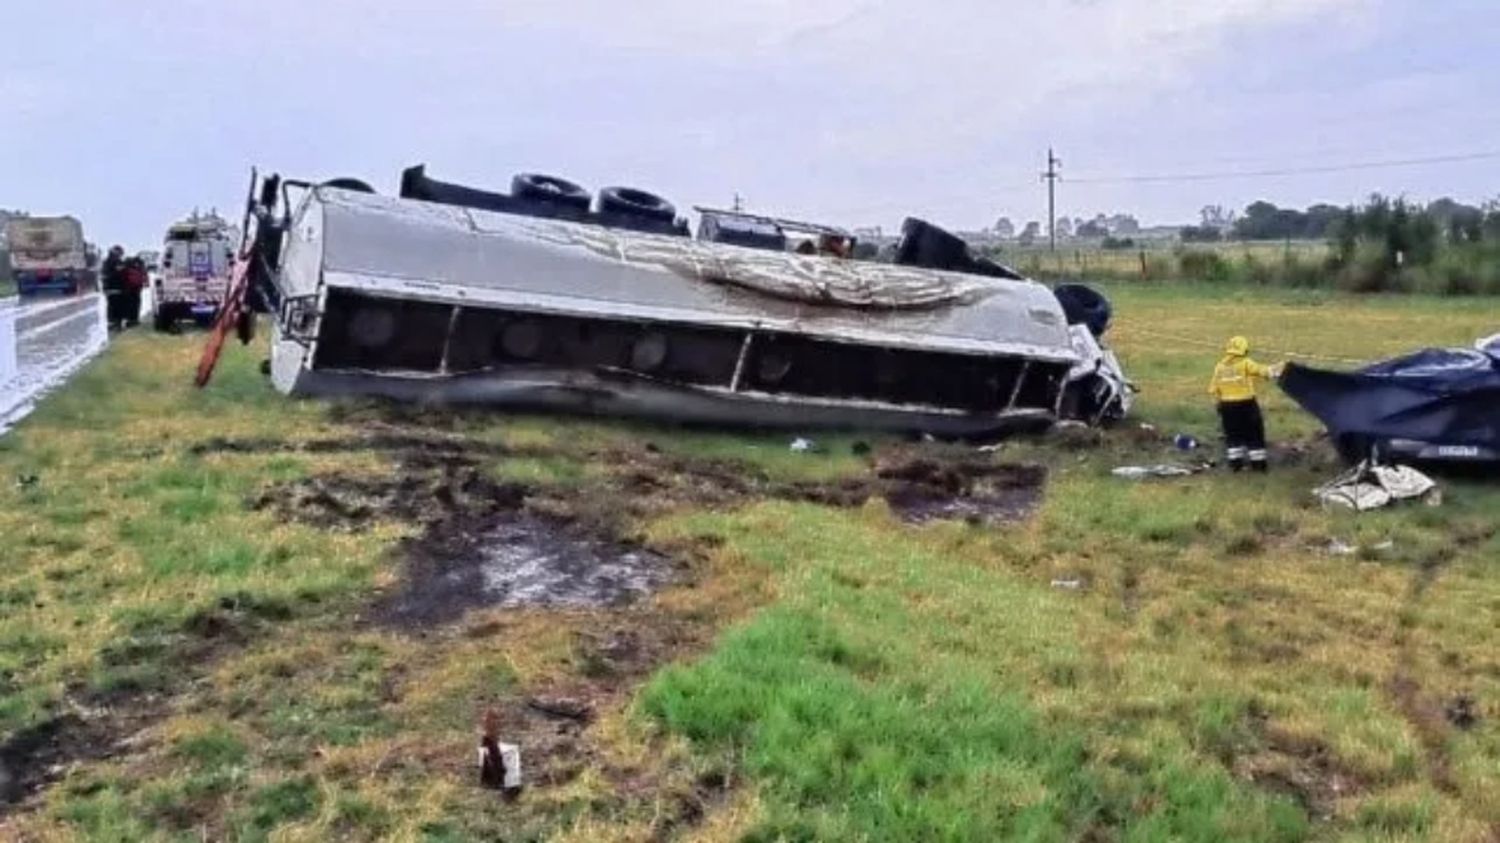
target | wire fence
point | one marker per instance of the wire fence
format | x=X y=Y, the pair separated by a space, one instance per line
x=1128 y=329
x=1156 y=259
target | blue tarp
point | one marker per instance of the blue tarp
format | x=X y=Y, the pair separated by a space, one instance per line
x=1447 y=396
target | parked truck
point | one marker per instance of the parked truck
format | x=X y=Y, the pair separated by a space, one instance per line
x=48 y=255
x=193 y=273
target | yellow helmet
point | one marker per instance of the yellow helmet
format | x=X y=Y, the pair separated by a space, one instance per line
x=1237 y=347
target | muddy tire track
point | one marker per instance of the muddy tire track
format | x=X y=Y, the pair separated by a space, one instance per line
x=1416 y=706
x=1433 y=717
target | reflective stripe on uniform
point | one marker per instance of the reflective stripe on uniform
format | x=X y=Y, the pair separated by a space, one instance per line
x=1257 y=455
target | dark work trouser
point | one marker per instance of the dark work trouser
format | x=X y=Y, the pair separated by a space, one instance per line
x=130 y=305
x=113 y=305
x=1244 y=432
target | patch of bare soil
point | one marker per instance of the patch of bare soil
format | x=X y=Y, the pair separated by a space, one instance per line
x=976 y=490
x=38 y=756
x=920 y=485
x=379 y=439
x=489 y=543
x=35 y=756
x=96 y=725
x=451 y=489
x=487 y=550
x=1302 y=768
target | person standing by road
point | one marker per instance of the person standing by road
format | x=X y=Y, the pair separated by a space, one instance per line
x=112 y=279
x=130 y=296
x=1234 y=389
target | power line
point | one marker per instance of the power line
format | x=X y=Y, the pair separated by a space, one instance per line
x=1017 y=190
x=1288 y=171
x=917 y=204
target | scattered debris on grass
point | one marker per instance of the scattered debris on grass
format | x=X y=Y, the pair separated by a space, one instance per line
x=1161 y=471
x=1185 y=442
x=1369 y=486
x=612 y=652
x=1339 y=547
x=499 y=763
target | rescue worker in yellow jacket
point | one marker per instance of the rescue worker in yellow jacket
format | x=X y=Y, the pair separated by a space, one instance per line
x=1234 y=388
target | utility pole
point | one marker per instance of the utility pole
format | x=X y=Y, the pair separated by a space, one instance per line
x=1051 y=177
x=739 y=203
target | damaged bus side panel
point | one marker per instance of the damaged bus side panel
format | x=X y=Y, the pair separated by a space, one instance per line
x=431 y=302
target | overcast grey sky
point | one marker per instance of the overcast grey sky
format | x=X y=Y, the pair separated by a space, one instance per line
x=129 y=113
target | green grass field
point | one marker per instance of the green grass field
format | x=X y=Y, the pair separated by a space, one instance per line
x=817 y=673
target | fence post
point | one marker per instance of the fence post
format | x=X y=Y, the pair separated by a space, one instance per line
x=1144 y=274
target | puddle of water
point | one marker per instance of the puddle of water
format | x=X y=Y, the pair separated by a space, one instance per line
x=526 y=561
x=519 y=560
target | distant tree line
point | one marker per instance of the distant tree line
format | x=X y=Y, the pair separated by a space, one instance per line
x=1383 y=244
x=1102 y=226
x=1263 y=220
x=1394 y=245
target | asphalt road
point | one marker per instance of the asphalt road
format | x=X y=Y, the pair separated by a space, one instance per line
x=42 y=343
